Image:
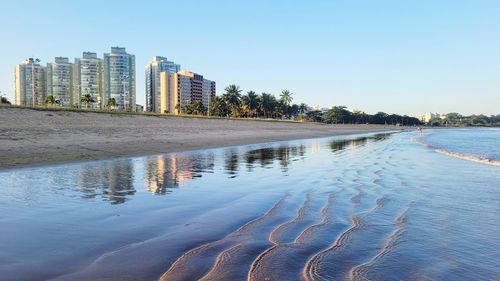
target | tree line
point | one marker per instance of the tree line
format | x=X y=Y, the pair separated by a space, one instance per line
x=457 y=120
x=340 y=115
x=252 y=105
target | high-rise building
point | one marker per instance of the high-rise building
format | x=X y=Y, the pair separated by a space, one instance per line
x=183 y=88
x=29 y=83
x=88 y=80
x=119 y=78
x=153 y=70
x=60 y=81
x=428 y=116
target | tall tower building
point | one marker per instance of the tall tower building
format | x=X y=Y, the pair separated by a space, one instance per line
x=29 y=83
x=119 y=78
x=183 y=88
x=88 y=79
x=153 y=70
x=60 y=81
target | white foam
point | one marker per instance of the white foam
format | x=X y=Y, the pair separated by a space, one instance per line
x=462 y=156
x=469 y=157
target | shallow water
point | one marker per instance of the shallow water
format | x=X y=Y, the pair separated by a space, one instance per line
x=372 y=207
x=479 y=144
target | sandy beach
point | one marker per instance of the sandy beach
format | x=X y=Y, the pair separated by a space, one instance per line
x=32 y=137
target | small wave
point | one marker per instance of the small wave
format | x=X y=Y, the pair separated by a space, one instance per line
x=472 y=158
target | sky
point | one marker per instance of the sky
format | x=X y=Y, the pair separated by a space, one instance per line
x=406 y=57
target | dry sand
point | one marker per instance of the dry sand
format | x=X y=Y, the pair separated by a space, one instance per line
x=32 y=137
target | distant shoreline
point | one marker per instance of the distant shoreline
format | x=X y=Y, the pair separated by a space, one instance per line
x=32 y=137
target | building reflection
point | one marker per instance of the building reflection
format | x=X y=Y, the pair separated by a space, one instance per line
x=112 y=180
x=165 y=172
x=315 y=146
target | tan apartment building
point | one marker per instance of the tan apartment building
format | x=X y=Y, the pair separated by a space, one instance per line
x=183 y=88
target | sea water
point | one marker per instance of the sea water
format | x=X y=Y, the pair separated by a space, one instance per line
x=365 y=207
x=477 y=144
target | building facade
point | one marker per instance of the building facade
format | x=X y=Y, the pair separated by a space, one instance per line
x=183 y=88
x=119 y=79
x=29 y=83
x=153 y=72
x=60 y=81
x=428 y=116
x=88 y=80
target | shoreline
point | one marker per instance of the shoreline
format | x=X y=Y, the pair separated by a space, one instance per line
x=457 y=155
x=30 y=138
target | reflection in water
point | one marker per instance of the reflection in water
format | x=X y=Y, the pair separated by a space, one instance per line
x=323 y=209
x=342 y=144
x=166 y=172
x=113 y=180
x=265 y=157
x=231 y=163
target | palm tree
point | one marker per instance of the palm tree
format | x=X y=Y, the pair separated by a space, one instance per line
x=267 y=105
x=86 y=99
x=218 y=107
x=197 y=108
x=111 y=103
x=286 y=97
x=294 y=111
x=187 y=109
x=233 y=99
x=245 y=110
x=285 y=102
x=250 y=103
x=50 y=100
x=303 y=108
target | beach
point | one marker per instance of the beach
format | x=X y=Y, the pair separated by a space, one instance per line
x=376 y=206
x=35 y=137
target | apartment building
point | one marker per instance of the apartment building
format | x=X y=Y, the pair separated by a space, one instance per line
x=29 y=83
x=153 y=72
x=183 y=88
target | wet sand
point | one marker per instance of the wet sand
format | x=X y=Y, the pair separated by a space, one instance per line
x=31 y=137
x=372 y=207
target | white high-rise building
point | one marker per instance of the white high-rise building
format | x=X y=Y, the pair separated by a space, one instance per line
x=88 y=80
x=428 y=116
x=29 y=83
x=153 y=69
x=60 y=81
x=119 y=79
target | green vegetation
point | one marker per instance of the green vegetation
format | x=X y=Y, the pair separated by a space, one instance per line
x=87 y=99
x=50 y=100
x=457 y=120
x=251 y=105
x=4 y=100
x=111 y=103
x=195 y=108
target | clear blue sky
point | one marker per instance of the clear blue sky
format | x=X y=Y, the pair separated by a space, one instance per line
x=396 y=56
